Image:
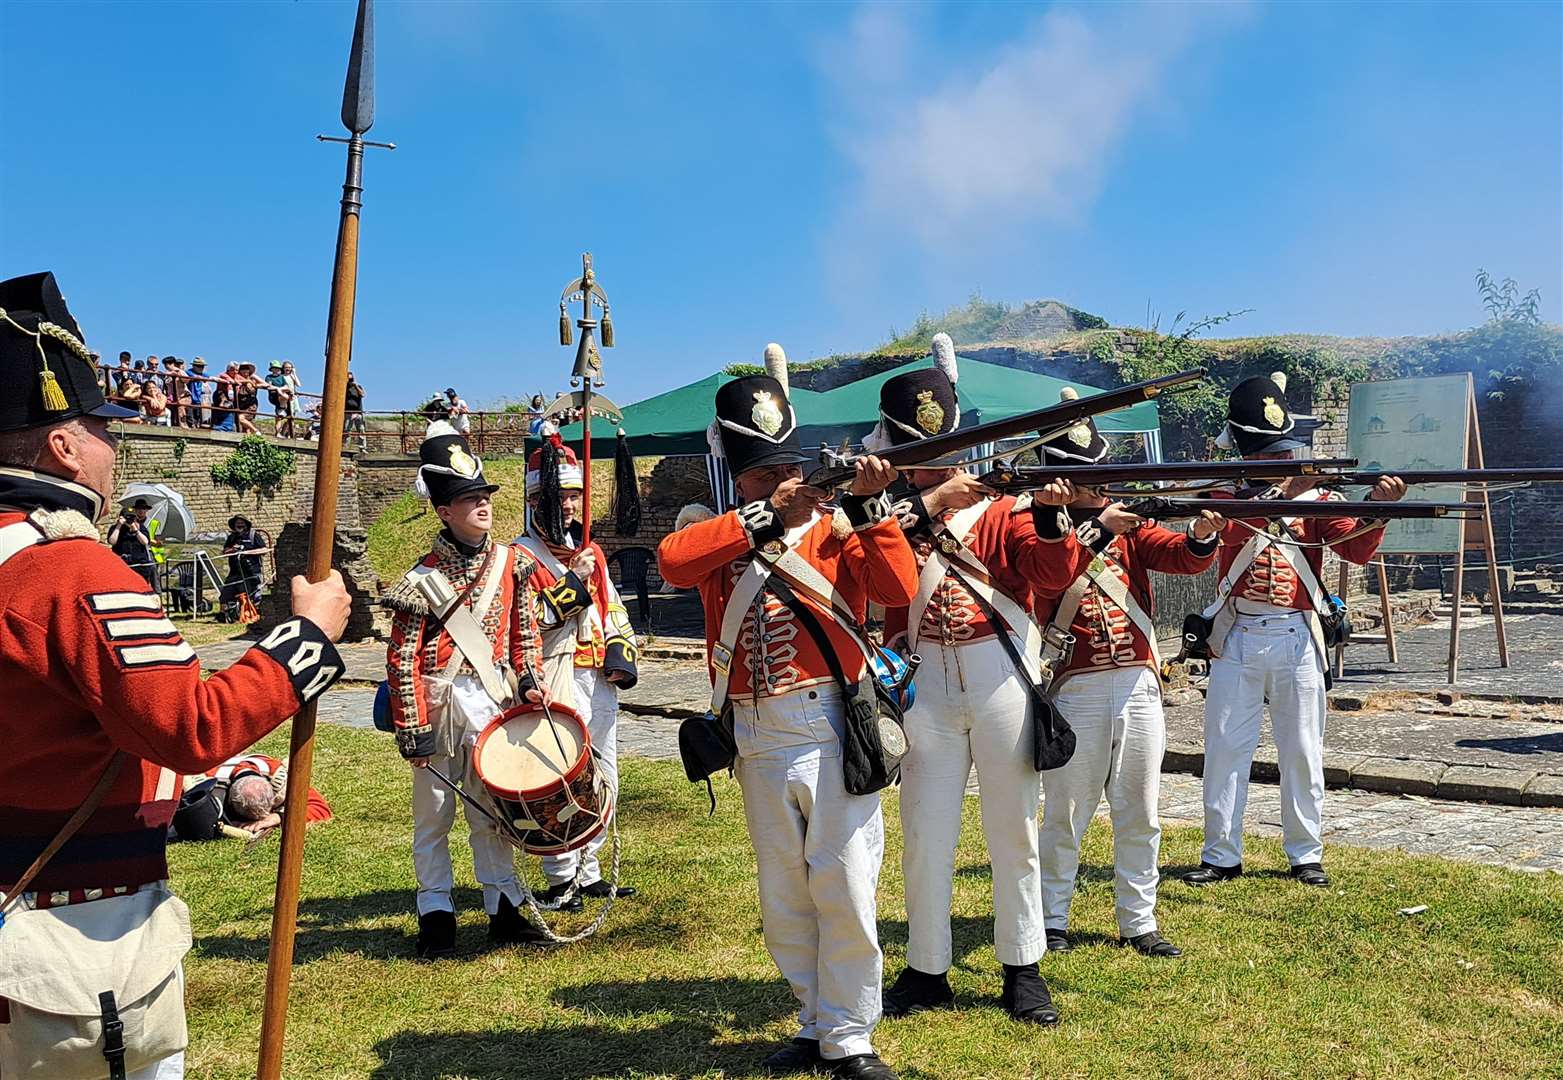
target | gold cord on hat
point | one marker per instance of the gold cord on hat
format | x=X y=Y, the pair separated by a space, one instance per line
x=53 y=396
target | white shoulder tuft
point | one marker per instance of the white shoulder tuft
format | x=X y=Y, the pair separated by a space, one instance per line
x=1069 y=393
x=1279 y=378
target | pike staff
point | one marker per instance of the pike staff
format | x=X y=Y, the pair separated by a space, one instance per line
x=357 y=117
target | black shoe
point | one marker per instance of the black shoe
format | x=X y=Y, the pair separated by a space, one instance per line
x=599 y=890
x=508 y=926
x=436 y=935
x=1152 y=944
x=800 y=1055
x=916 y=991
x=1058 y=941
x=551 y=895
x=1207 y=874
x=1310 y=873
x=1026 y=995
x=862 y=1067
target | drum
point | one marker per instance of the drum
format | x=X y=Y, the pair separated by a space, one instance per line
x=544 y=778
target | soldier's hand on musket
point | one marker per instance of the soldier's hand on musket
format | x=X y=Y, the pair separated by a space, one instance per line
x=584 y=565
x=1388 y=489
x=324 y=603
x=874 y=474
x=1057 y=492
x=957 y=493
x=796 y=501
x=1118 y=519
x=1208 y=524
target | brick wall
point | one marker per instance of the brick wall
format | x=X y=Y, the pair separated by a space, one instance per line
x=381 y=481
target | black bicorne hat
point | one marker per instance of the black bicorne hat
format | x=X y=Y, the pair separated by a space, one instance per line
x=920 y=403
x=1078 y=444
x=46 y=371
x=449 y=470
x=1260 y=420
x=755 y=426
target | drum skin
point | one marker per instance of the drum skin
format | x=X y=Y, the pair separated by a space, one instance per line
x=520 y=763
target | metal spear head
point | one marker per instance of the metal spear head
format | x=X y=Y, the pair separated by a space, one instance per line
x=358 y=94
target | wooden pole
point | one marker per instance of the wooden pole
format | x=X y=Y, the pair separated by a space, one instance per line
x=1475 y=456
x=1389 y=622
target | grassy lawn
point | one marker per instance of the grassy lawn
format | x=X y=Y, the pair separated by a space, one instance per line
x=1277 y=981
x=404 y=530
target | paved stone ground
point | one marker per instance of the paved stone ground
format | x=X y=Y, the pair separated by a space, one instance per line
x=1535 y=657
x=1520 y=837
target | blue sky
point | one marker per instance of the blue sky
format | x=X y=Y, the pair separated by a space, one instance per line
x=809 y=174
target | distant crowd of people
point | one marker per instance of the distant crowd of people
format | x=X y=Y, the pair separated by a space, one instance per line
x=164 y=393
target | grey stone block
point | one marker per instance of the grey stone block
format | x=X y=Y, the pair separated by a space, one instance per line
x=1398 y=776
x=1476 y=783
x=1545 y=790
x=1339 y=767
x=1264 y=769
x=1184 y=758
x=1348 y=702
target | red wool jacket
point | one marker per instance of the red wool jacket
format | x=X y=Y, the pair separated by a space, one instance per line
x=1270 y=580
x=89 y=665
x=871 y=563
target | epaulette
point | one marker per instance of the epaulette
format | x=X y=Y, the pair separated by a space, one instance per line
x=404 y=595
x=63 y=525
x=522 y=563
x=840 y=526
x=1022 y=503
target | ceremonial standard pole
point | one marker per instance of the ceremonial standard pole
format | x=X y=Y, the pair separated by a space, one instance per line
x=358 y=117
x=587 y=370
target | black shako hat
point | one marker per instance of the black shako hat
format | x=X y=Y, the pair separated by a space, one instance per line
x=1078 y=444
x=918 y=404
x=46 y=371
x=755 y=426
x=449 y=470
x=1260 y=420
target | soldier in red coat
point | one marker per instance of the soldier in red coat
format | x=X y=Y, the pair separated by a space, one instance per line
x=1107 y=684
x=979 y=559
x=1267 y=644
x=101 y=692
x=818 y=847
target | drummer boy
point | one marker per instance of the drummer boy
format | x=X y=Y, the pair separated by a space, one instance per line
x=453 y=667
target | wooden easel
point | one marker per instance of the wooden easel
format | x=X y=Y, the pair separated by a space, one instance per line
x=1477 y=536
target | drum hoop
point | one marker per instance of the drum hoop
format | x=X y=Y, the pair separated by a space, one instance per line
x=571 y=775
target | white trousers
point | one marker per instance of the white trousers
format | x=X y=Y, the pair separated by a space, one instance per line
x=1120 y=737
x=971 y=707
x=818 y=851
x=597 y=701
x=434 y=813
x=1266 y=657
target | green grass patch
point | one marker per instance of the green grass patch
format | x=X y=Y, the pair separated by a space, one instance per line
x=1277 y=980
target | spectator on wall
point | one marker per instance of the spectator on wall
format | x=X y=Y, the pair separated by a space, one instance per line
x=294 y=399
x=457 y=412
x=246 y=399
x=222 y=397
x=177 y=387
x=200 y=416
x=154 y=402
x=355 y=411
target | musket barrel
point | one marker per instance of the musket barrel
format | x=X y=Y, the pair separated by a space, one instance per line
x=1242 y=509
x=1029 y=477
x=1369 y=477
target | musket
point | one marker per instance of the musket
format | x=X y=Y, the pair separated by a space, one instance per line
x=1369 y=477
x=357 y=117
x=836 y=468
x=1014 y=479
x=1166 y=509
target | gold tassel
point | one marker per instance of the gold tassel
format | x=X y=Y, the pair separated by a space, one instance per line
x=565 y=337
x=607 y=330
x=53 y=396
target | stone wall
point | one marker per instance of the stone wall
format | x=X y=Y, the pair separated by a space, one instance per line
x=381 y=481
x=667 y=485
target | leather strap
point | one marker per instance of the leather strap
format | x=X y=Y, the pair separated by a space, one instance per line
x=9 y=898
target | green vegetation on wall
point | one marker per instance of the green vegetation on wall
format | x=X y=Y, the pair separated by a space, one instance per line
x=255 y=463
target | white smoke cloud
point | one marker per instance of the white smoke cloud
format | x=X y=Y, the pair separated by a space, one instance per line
x=958 y=146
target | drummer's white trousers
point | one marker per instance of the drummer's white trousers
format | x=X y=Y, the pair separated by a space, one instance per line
x=597 y=701
x=1120 y=739
x=434 y=813
x=818 y=851
x=1266 y=658
x=971 y=706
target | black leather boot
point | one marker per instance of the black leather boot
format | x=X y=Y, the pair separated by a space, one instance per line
x=800 y=1055
x=508 y=926
x=1311 y=874
x=915 y=991
x=1208 y=874
x=436 y=935
x=862 y=1067
x=1026 y=996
